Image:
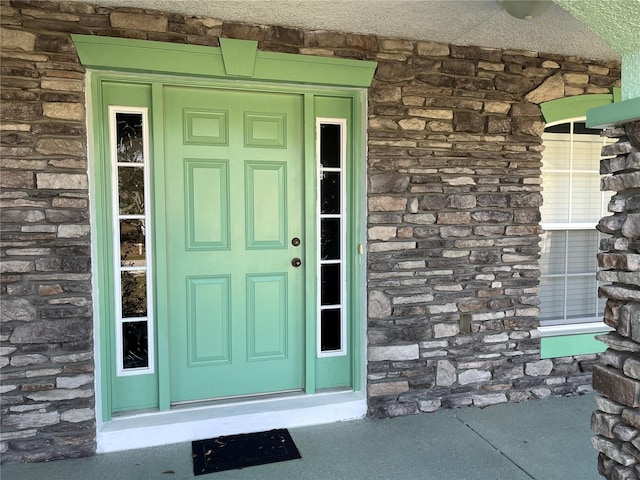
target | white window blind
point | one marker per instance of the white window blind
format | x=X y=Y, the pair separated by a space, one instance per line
x=572 y=207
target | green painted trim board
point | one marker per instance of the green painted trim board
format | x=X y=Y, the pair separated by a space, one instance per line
x=103 y=248
x=156 y=119
x=129 y=55
x=569 y=345
x=310 y=249
x=358 y=237
x=572 y=107
x=614 y=114
x=617 y=94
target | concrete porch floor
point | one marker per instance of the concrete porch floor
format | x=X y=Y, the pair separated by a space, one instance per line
x=539 y=439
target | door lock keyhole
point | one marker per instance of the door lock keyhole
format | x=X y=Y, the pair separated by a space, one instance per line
x=295 y=241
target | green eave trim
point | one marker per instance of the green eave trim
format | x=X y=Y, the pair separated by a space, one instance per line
x=570 y=345
x=572 y=107
x=128 y=55
x=614 y=114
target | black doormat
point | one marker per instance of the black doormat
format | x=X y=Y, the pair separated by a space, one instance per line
x=232 y=452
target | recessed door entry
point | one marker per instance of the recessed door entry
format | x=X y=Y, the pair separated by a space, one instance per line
x=234 y=201
x=235 y=272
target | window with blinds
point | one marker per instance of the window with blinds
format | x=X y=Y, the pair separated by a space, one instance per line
x=573 y=204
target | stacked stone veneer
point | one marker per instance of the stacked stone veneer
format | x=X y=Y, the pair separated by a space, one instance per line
x=454 y=156
x=454 y=196
x=617 y=374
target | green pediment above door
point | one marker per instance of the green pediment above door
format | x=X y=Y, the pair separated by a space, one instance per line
x=234 y=59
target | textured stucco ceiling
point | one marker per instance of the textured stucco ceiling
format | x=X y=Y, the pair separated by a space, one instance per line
x=617 y=22
x=460 y=22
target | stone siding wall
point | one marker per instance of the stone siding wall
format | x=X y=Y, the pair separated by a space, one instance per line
x=47 y=324
x=453 y=198
x=617 y=373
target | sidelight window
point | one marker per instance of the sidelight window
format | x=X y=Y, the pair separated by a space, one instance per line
x=331 y=154
x=131 y=218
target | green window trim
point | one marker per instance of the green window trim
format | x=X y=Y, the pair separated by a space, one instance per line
x=556 y=111
x=570 y=345
x=614 y=114
x=234 y=59
x=572 y=107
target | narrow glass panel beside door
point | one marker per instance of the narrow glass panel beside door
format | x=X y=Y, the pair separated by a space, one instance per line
x=133 y=252
x=133 y=284
x=331 y=144
x=330 y=239
x=331 y=192
x=130 y=181
x=330 y=293
x=136 y=345
x=131 y=190
x=330 y=339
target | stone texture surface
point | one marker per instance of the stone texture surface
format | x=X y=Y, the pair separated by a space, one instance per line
x=619 y=387
x=454 y=152
x=617 y=374
x=398 y=352
x=46 y=315
x=465 y=190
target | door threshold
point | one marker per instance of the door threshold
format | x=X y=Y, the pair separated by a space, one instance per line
x=235 y=399
x=191 y=422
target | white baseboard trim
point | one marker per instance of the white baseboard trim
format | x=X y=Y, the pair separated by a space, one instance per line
x=185 y=424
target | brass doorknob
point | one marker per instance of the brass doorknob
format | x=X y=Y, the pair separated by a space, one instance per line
x=296 y=262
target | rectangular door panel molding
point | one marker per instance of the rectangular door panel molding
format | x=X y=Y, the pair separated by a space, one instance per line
x=267 y=322
x=205 y=127
x=207 y=203
x=266 y=204
x=265 y=130
x=208 y=320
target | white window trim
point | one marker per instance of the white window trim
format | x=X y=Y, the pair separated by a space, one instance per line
x=117 y=268
x=342 y=122
x=568 y=226
x=569 y=326
x=573 y=329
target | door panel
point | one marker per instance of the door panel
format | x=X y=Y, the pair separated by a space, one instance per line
x=266 y=204
x=208 y=320
x=267 y=316
x=207 y=203
x=234 y=199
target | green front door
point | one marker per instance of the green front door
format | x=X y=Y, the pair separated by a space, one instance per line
x=234 y=203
